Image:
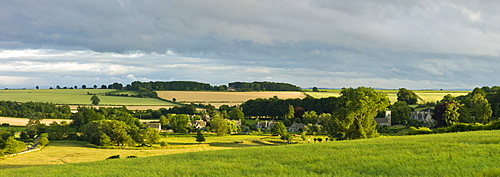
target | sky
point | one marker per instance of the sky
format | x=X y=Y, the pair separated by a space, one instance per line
x=423 y=44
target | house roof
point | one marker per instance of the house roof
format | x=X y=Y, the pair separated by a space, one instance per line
x=382 y=120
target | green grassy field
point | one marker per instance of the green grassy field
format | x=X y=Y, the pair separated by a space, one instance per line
x=76 y=96
x=453 y=154
x=426 y=95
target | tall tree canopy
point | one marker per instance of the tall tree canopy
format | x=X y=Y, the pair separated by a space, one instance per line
x=400 y=112
x=354 y=117
x=407 y=96
x=95 y=100
x=478 y=106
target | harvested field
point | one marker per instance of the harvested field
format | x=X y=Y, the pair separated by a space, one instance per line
x=219 y=98
x=74 y=107
x=24 y=121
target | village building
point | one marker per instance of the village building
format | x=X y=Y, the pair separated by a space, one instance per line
x=265 y=125
x=295 y=127
x=199 y=124
x=424 y=115
x=156 y=126
x=386 y=120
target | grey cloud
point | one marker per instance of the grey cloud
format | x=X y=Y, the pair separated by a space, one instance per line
x=337 y=43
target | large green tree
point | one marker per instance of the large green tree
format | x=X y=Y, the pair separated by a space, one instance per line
x=236 y=114
x=199 y=137
x=478 y=106
x=220 y=125
x=179 y=123
x=354 y=117
x=115 y=129
x=95 y=100
x=451 y=113
x=12 y=146
x=151 y=136
x=279 y=129
x=407 y=96
x=400 y=112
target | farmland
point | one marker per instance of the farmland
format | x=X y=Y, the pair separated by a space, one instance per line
x=79 y=97
x=426 y=95
x=23 y=121
x=219 y=98
x=454 y=154
x=62 y=152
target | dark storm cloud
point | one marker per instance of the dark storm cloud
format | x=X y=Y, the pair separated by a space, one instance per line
x=415 y=44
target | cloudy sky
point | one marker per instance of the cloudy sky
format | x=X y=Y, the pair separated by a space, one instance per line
x=324 y=43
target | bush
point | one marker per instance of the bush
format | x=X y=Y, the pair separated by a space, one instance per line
x=24 y=135
x=495 y=125
x=463 y=127
x=303 y=136
x=6 y=135
x=113 y=157
x=163 y=144
x=420 y=130
x=131 y=156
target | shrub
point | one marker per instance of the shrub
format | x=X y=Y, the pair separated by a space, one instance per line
x=113 y=157
x=420 y=130
x=13 y=146
x=495 y=125
x=24 y=135
x=303 y=136
x=105 y=140
x=163 y=144
x=131 y=156
x=44 y=141
x=6 y=135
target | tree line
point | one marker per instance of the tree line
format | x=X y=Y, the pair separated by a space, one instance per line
x=263 y=86
x=47 y=110
x=146 y=89
x=103 y=126
x=482 y=105
x=279 y=109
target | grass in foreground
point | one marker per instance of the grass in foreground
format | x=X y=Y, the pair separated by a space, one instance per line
x=454 y=154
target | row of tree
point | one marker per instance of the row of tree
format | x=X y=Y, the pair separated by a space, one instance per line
x=263 y=86
x=282 y=109
x=472 y=108
x=145 y=88
x=47 y=110
x=103 y=126
x=482 y=105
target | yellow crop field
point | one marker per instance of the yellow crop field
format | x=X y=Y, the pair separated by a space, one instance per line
x=23 y=121
x=219 y=98
x=62 y=152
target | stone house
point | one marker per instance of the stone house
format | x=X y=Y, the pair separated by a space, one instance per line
x=156 y=126
x=265 y=125
x=295 y=127
x=424 y=115
x=386 y=120
x=199 y=124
